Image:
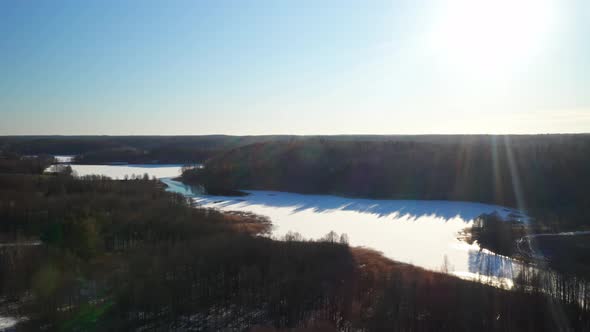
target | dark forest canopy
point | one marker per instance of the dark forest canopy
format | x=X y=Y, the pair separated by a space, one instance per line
x=11 y=163
x=74 y=145
x=199 y=148
x=131 y=149
x=546 y=176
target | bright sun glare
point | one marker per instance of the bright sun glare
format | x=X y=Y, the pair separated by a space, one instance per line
x=491 y=37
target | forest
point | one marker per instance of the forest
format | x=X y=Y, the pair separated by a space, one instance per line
x=545 y=176
x=91 y=253
x=130 y=149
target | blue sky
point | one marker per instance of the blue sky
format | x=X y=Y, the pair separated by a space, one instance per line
x=294 y=67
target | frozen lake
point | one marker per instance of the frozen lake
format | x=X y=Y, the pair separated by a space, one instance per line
x=120 y=171
x=422 y=233
x=64 y=159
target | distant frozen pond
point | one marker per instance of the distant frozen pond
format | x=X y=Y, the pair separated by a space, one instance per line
x=421 y=233
x=7 y=323
x=120 y=171
x=64 y=159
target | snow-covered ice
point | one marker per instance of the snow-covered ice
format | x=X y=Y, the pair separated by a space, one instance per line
x=64 y=159
x=120 y=171
x=421 y=233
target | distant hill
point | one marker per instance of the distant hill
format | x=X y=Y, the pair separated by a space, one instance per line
x=85 y=144
x=200 y=148
x=133 y=149
x=547 y=174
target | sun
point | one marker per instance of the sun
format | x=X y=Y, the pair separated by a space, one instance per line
x=491 y=37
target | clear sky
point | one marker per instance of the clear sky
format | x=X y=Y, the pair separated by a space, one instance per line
x=294 y=67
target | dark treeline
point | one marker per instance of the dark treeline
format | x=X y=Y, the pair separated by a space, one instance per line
x=545 y=175
x=563 y=285
x=11 y=163
x=180 y=149
x=567 y=254
x=500 y=236
x=158 y=155
x=74 y=145
x=132 y=149
x=125 y=255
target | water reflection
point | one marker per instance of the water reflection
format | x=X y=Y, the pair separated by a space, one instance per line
x=490 y=264
x=181 y=188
